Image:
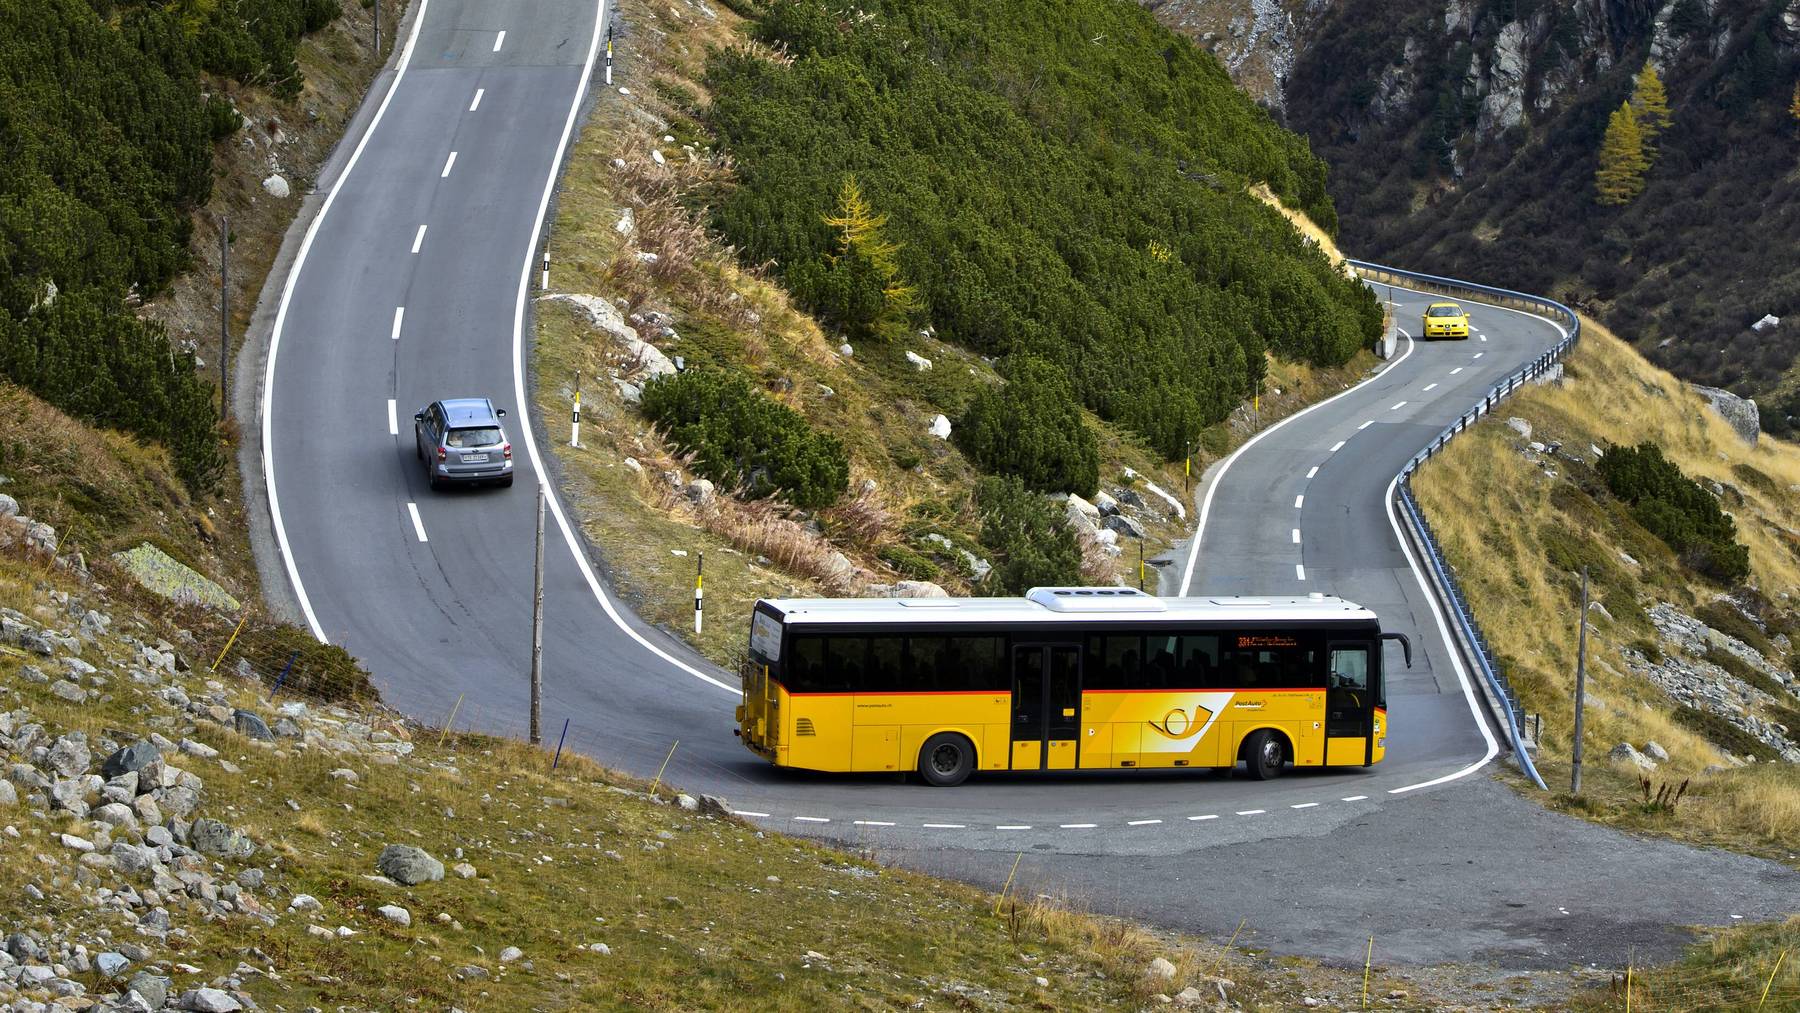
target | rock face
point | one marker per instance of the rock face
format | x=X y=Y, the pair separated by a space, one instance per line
x=408 y=865
x=649 y=360
x=1741 y=412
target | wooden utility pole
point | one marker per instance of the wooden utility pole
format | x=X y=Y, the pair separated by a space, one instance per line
x=537 y=625
x=1580 y=685
x=224 y=316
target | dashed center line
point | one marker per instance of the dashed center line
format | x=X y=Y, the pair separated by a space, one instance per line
x=943 y=826
x=1456 y=370
x=1299 y=500
x=1335 y=447
x=1304 y=805
x=393 y=419
x=1252 y=812
x=801 y=819
x=1365 y=425
x=419 y=240
x=872 y=823
x=1482 y=336
x=1313 y=471
x=1296 y=530
x=749 y=812
x=1013 y=826
x=1355 y=798
x=500 y=40
x=399 y=315
x=1077 y=826
x=418 y=525
x=1479 y=354
x=1431 y=386
x=448 y=162
x=1141 y=823
x=477 y=103
x=1208 y=816
x=1299 y=572
x=1398 y=406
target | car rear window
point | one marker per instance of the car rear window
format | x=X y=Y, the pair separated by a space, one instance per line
x=485 y=436
x=1445 y=311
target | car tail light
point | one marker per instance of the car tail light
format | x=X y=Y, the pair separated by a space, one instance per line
x=507 y=450
x=441 y=454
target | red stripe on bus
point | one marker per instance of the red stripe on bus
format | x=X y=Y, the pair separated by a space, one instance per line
x=1218 y=689
x=913 y=692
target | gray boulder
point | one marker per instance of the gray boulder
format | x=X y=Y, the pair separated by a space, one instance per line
x=406 y=864
x=152 y=989
x=209 y=1000
x=69 y=755
x=131 y=759
x=1124 y=526
x=1740 y=412
x=1625 y=752
x=211 y=837
x=251 y=726
x=65 y=690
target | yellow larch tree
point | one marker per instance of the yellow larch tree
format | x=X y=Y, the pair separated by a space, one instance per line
x=1620 y=177
x=861 y=234
x=1651 y=104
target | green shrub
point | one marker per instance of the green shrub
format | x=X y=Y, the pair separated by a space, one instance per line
x=1031 y=427
x=909 y=563
x=742 y=438
x=1024 y=534
x=1677 y=510
x=1723 y=733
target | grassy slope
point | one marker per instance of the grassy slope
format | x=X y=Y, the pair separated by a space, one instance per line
x=700 y=912
x=1503 y=522
x=733 y=317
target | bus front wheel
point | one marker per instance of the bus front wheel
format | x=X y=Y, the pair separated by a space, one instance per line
x=1263 y=754
x=946 y=759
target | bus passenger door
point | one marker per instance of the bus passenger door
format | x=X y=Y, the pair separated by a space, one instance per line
x=1349 y=706
x=1046 y=706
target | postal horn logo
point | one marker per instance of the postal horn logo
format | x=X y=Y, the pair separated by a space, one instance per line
x=1178 y=722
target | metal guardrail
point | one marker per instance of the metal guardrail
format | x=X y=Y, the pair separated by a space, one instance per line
x=1443 y=575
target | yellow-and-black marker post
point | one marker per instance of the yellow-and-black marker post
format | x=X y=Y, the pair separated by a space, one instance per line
x=609 y=55
x=575 y=418
x=699 y=589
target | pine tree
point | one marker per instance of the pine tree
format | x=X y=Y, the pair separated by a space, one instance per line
x=860 y=236
x=1620 y=177
x=1651 y=105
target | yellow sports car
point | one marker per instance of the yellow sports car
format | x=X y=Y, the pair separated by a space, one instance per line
x=1446 y=320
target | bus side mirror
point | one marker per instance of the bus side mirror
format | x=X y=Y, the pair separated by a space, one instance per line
x=1405 y=645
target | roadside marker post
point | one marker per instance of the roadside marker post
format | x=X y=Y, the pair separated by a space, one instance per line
x=665 y=766
x=609 y=55
x=575 y=422
x=285 y=669
x=1580 y=686
x=699 y=589
x=537 y=624
x=234 y=635
x=560 y=739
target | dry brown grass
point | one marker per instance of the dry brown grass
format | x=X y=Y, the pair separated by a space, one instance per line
x=1498 y=515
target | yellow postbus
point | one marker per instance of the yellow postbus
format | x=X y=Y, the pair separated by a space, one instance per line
x=1065 y=678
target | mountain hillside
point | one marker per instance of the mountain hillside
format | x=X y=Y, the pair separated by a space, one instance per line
x=1464 y=140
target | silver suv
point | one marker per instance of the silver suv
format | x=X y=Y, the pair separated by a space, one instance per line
x=461 y=440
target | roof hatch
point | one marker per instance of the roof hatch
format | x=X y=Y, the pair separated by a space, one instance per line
x=1095 y=599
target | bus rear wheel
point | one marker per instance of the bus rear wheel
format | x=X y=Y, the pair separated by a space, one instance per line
x=1263 y=755
x=946 y=759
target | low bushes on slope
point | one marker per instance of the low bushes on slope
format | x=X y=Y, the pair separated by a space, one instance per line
x=1033 y=547
x=1094 y=216
x=1031 y=427
x=742 y=437
x=1675 y=509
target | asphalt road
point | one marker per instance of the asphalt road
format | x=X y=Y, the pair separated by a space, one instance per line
x=414 y=283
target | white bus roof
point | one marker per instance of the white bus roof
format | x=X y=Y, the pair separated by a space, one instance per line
x=1069 y=604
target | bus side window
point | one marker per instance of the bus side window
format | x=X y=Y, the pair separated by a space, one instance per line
x=980 y=665
x=1159 y=662
x=845 y=660
x=806 y=659
x=885 y=656
x=1197 y=668
x=1113 y=662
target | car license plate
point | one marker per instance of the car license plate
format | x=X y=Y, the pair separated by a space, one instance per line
x=474 y=458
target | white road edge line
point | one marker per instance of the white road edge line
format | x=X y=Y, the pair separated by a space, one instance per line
x=399 y=315
x=393 y=419
x=418 y=525
x=419 y=239
x=1187 y=576
x=476 y=104
x=518 y=358
x=500 y=40
x=287 y=296
x=448 y=162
